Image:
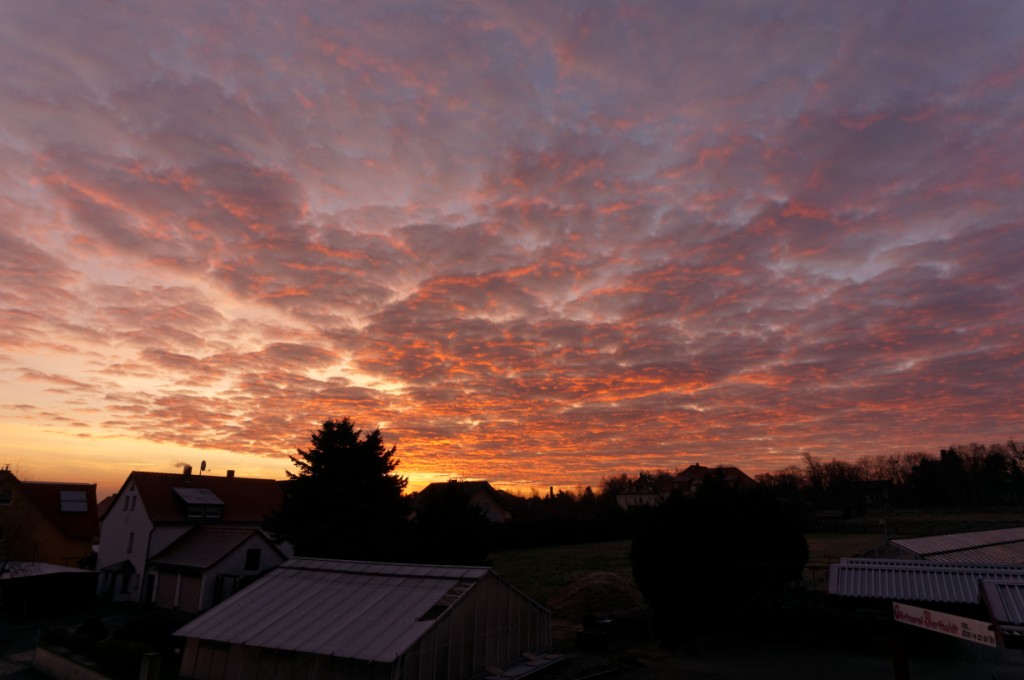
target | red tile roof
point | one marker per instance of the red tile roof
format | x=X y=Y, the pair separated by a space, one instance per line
x=246 y=500
x=46 y=497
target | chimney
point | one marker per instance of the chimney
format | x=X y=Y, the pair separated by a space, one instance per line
x=186 y=472
x=231 y=474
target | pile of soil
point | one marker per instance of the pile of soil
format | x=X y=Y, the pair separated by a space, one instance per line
x=601 y=594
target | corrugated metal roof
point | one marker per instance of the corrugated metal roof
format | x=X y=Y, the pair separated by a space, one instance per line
x=930 y=547
x=1007 y=553
x=368 y=611
x=1005 y=601
x=915 y=579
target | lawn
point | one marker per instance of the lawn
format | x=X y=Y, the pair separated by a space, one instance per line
x=542 y=572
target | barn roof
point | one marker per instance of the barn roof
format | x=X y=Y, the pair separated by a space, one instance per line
x=369 y=611
x=1003 y=546
x=916 y=580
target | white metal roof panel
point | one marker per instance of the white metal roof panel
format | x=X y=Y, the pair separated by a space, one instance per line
x=1005 y=601
x=354 y=610
x=915 y=579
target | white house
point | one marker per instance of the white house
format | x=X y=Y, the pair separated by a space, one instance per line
x=153 y=510
x=208 y=564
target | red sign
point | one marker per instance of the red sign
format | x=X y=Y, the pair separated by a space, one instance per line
x=971 y=630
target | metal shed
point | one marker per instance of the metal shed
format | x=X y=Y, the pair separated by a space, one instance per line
x=996 y=546
x=325 y=619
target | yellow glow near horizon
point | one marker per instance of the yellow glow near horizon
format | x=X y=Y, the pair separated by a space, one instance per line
x=45 y=454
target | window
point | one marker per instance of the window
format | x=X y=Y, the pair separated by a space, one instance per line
x=131 y=542
x=73 y=501
x=132 y=504
x=125 y=507
x=194 y=511
x=252 y=559
x=213 y=511
x=6 y=495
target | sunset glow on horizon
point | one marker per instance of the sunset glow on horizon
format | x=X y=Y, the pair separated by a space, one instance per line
x=535 y=243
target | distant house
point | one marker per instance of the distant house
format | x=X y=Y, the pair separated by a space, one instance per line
x=50 y=522
x=479 y=493
x=690 y=480
x=154 y=511
x=323 y=619
x=644 y=491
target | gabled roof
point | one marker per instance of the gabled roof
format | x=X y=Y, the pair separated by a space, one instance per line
x=467 y=488
x=46 y=496
x=205 y=546
x=1002 y=546
x=246 y=500
x=697 y=473
x=368 y=611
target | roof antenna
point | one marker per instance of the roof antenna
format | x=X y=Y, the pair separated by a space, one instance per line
x=202 y=468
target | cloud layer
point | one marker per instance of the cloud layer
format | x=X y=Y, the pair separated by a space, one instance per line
x=539 y=243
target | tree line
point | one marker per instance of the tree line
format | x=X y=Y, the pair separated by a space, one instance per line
x=961 y=476
x=346 y=499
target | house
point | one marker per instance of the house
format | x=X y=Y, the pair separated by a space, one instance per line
x=208 y=564
x=49 y=522
x=315 y=618
x=480 y=494
x=644 y=491
x=154 y=511
x=690 y=480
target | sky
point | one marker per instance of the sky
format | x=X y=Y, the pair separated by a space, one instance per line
x=540 y=243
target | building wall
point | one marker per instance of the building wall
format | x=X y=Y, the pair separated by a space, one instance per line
x=124 y=535
x=492 y=509
x=177 y=590
x=491 y=625
x=205 y=660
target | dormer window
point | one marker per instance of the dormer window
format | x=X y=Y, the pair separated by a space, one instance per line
x=200 y=503
x=73 y=501
x=6 y=496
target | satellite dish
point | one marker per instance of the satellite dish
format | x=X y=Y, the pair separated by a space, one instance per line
x=202 y=466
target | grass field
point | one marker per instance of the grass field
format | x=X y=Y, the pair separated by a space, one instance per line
x=542 y=572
